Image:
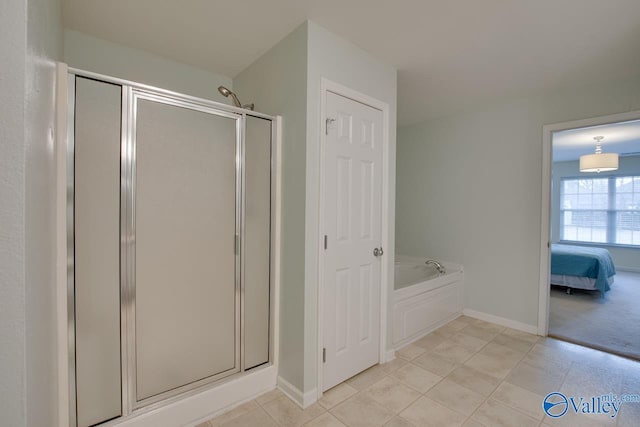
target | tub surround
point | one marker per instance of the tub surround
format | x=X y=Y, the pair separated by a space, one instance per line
x=407 y=260
x=420 y=308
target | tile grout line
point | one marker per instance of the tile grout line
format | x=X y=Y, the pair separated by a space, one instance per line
x=503 y=380
x=261 y=406
x=509 y=405
x=461 y=331
x=486 y=399
x=410 y=362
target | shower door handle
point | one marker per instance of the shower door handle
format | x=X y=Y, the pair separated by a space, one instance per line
x=378 y=252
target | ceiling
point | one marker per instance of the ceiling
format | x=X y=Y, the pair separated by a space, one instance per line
x=451 y=55
x=621 y=138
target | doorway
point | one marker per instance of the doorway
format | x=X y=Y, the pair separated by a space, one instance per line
x=591 y=268
x=352 y=297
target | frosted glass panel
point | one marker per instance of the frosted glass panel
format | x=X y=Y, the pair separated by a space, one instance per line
x=185 y=257
x=97 y=251
x=257 y=240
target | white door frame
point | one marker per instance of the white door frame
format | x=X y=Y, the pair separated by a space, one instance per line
x=387 y=261
x=545 y=236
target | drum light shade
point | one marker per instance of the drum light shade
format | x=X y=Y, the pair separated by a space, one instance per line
x=599 y=162
x=602 y=162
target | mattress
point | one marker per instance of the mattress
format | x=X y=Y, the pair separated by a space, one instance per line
x=577 y=282
x=582 y=262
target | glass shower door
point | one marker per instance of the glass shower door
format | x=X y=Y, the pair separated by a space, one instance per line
x=94 y=198
x=256 y=247
x=185 y=183
x=169 y=246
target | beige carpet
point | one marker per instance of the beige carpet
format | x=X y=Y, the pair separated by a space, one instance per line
x=610 y=323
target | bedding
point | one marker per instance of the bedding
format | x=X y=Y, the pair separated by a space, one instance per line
x=582 y=262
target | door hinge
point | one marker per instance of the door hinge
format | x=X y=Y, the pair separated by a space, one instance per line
x=326 y=125
x=324 y=355
x=325 y=242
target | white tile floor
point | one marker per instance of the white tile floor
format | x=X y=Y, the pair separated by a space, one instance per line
x=468 y=373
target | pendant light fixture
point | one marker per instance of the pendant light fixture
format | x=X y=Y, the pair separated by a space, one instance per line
x=599 y=162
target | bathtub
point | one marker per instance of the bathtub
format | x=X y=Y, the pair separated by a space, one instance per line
x=424 y=299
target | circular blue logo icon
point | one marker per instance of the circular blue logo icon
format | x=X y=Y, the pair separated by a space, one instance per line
x=555 y=404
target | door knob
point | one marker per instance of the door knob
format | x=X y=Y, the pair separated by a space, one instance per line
x=378 y=251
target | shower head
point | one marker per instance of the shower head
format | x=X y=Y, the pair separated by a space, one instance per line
x=226 y=92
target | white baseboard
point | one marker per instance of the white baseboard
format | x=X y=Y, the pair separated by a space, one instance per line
x=629 y=269
x=389 y=356
x=303 y=400
x=513 y=324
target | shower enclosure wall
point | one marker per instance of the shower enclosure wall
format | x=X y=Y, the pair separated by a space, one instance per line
x=169 y=240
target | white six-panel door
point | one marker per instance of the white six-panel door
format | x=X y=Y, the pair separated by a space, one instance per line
x=352 y=208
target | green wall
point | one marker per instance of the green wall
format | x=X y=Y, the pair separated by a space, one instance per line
x=286 y=81
x=277 y=84
x=469 y=190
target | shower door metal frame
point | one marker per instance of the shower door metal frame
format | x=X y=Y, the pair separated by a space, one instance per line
x=128 y=235
x=272 y=230
x=71 y=280
x=131 y=93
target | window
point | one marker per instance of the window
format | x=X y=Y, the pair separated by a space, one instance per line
x=601 y=210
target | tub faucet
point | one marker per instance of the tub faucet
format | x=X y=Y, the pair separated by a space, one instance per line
x=439 y=266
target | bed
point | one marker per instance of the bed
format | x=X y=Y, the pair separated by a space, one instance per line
x=581 y=267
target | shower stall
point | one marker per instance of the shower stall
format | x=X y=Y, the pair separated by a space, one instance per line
x=169 y=243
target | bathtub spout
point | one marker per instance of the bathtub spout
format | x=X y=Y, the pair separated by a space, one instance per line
x=439 y=266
